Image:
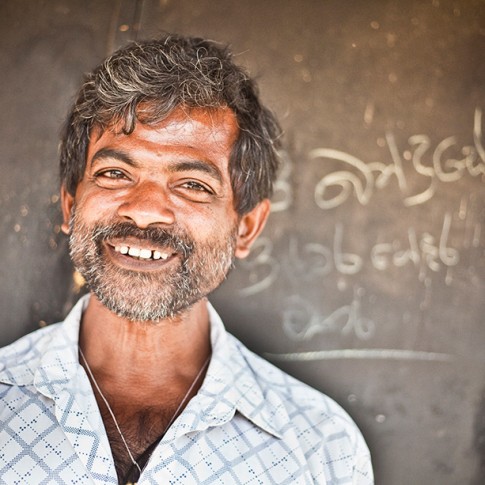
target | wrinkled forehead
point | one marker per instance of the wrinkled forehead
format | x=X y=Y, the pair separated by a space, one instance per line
x=218 y=119
x=198 y=132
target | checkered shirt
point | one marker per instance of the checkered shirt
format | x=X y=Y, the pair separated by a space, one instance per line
x=250 y=423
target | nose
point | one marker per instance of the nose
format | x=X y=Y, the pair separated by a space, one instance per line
x=147 y=205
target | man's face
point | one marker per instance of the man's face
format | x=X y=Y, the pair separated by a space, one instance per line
x=152 y=224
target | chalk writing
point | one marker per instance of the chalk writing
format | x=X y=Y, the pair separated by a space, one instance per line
x=307 y=261
x=314 y=259
x=348 y=181
x=261 y=266
x=302 y=321
x=427 y=250
x=377 y=175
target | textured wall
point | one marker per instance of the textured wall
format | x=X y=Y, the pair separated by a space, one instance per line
x=368 y=282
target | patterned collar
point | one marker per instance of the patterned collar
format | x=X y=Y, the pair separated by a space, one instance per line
x=230 y=385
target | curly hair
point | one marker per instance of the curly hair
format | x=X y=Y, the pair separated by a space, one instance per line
x=164 y=74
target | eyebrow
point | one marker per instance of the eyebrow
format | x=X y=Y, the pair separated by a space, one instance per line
x=196 y=165
x=116 y=154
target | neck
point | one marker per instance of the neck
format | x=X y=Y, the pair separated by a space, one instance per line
x=144 y=356
x=143 y=375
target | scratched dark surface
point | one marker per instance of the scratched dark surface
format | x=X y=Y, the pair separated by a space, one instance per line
x=368 y=282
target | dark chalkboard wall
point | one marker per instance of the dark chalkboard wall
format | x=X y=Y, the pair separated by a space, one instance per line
x=368 y=282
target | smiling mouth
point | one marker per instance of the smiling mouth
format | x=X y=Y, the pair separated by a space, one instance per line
x=142 y=253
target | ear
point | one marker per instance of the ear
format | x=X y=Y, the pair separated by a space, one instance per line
x=67 y=203
x=250 y=226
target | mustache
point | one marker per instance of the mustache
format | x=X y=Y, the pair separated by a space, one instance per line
x=173 y=238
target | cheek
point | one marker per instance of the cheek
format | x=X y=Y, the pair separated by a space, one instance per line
x=92 y=208
x=210 y=226
x=202 y=224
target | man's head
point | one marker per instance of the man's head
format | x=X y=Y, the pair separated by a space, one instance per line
x=167 y=164
x=144 y=82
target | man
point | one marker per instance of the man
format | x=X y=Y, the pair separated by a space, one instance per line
x=167 y=163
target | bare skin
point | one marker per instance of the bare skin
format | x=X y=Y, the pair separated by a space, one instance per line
x=144 y=369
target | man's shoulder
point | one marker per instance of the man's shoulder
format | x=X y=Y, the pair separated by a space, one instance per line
x=24 y=355
x=301 y=414
x=26 y=343
x=19 y=359
x=311 y=407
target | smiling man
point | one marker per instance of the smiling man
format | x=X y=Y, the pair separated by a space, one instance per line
x=167 y=164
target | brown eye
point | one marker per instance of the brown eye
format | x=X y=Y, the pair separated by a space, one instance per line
x=196 y=186
x=195 y=191
x=112 y=178
x=112 y=174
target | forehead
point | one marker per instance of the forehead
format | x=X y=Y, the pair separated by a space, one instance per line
x=197 y=132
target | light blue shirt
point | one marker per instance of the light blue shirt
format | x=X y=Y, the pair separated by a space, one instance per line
x=250 y=423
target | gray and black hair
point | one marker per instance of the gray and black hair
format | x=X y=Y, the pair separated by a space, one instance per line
x=164 y=74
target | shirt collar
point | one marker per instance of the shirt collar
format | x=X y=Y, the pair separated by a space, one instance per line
x=51 y=362
x=60 y=363
x=231 y=384
x=47 y=357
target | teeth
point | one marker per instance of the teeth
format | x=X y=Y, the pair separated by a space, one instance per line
x=145 y=253
x=134 y=252
x=141 y=253
x=159 y=255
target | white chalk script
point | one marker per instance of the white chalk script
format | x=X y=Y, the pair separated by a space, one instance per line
x=362 y=179
x=302 y=321
x=308 y=261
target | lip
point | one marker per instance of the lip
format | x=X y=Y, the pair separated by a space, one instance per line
x=135 y=264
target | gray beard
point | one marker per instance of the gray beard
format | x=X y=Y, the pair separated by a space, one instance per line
x=150 y=296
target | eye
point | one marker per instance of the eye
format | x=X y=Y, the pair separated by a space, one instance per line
x=111 y=178
x=195 y=191
x=192 y=185
x=111 y=174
